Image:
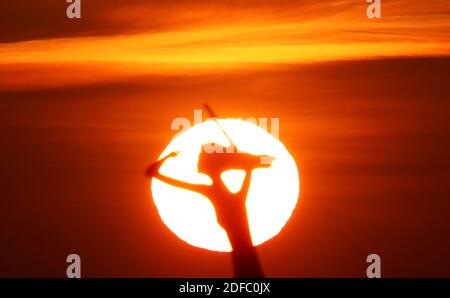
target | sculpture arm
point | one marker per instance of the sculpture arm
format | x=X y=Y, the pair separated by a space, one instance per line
x=246 y=185
x=199 y=188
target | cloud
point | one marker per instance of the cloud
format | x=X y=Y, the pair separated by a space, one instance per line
x=30 y=20
x=116 y=39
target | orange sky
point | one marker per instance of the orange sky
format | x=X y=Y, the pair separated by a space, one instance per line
x=139 y=38
x=86 y=105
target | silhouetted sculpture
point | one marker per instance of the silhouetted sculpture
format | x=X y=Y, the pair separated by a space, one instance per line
x=230 y=207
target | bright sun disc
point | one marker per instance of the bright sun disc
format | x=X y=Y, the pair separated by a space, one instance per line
x=272 y=196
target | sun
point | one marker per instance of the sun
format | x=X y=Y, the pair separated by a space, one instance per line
x=271 y=199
